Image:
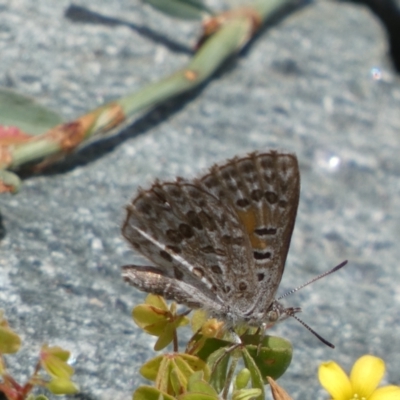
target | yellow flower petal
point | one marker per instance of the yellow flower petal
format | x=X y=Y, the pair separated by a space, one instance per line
x=386 y=393
x=366 y=374
x=335 y=381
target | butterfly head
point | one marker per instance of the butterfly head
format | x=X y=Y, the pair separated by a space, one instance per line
x=277 y=312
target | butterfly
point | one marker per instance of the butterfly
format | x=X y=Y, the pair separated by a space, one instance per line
x=220 y=241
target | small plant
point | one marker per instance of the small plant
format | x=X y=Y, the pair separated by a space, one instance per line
x=209 y=368
x=211 y=364
x=53 y=360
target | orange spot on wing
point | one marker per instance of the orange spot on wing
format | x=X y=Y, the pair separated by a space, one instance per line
x=249 y=219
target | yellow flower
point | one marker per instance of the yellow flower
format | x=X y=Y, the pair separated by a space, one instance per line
x=362 y=384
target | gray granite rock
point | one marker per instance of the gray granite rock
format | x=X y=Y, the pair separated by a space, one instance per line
x=317 y=84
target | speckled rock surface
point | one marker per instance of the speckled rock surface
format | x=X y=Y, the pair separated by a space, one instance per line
x=305 y=85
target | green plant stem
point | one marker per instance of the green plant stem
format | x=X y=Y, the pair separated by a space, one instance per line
x=229 y=376
x=32 y=151
x=228 y=40
x=204 y=63
x=224 y=43
x=267 y=8
x=175 y=341
x=9 y=181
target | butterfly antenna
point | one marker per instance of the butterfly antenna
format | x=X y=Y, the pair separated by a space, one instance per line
x=331 y=271
x=324 y=341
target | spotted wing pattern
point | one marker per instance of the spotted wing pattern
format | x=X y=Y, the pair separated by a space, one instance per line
x=220 y=241
x=263 y=190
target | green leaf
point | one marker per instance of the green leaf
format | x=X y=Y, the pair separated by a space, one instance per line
x=198 y=396
x=58 y=352
x=149 y=370
x=171 y=372
x=155 y=318
x=274 y=356
x=39 y=397
x=151 y=321
x=10 y=181
x=178 y=377
x=53 y=360
x=210 y=346
x=10 y=342
x=246 y=394
x=184 y=9
x=150 y=393
x=163 y=379
x=156 y=301
x=24 y=113
x=256 y=377
x=165 y=338
x=196 y=364
x=62 y=386
x=218 y=363
x=184 y=367
x=181 y=320
x=199 y=317
x=198 y=384
x=242 y=379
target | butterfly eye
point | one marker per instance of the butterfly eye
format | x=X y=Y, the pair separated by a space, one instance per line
x=273 y=316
